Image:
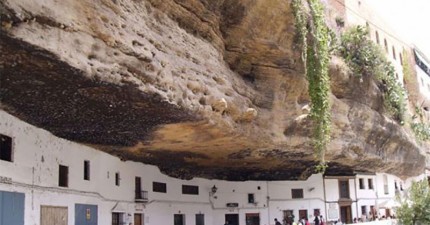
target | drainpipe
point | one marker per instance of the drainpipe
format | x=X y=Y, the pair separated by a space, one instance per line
x=356 y=196
x=267 y=202
x=325 y=199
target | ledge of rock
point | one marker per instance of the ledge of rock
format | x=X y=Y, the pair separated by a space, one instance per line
x=216 y=87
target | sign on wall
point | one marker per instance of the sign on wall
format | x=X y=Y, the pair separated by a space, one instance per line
x=5 y=180
x=333 y=212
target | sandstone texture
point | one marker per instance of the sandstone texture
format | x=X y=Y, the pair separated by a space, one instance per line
x=203 y=88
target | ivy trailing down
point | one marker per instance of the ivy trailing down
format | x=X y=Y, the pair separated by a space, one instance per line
x=314 y=40
x=365 y=58
x=420 y=128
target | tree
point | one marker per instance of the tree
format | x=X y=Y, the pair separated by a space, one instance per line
x=415 y=207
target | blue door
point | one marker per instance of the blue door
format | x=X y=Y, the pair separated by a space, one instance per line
x=85 y=214
x=11 y=208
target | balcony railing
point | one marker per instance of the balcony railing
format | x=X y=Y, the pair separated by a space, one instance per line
x=141 y=196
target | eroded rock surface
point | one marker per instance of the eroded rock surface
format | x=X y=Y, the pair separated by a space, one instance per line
x=215 y=87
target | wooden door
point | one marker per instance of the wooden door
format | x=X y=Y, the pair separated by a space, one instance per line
x=346 y=214
x=232 y=219
x=138 y=219
x=53 y=215
x=252 y=219
x=288 y=217
x=387 y=213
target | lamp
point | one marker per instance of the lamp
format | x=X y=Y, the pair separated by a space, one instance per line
x=214 y=189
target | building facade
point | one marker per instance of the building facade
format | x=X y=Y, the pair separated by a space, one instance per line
x=49 y=180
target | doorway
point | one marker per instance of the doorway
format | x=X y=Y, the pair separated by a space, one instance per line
x=232 y=219
x=252 y=219
x=53 y=215
x=303 y=213
x=138 y=219
x=387 y=213
x=85 y=214
x=288 y=217
x=345 y=214
x=200 y=219
x=179 y=219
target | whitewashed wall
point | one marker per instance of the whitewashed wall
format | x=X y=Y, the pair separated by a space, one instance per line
x=34 y=171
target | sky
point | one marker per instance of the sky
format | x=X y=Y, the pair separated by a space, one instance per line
x=410 y=18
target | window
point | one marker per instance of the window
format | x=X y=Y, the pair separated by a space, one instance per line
x=200 y=219
x=363 y=210
x=401 y=58
x=386 y=45
x=117 y=178
x=395 y=186
x=251 y=198
x=361 y=182
x=377 y=37
x=5 y=148
x=317 y=212
x=394 y=52
x=138 y=188
x=159 y=187
x=370 y=183
x=344 y=188
x=118 y=219
x=297 y=193
x=401 y=186
x=190 y=190
x=386 y=185
x=178 y=219
x=63 y=176
x=86 y=170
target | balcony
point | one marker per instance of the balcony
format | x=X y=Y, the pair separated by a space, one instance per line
x=141 y=196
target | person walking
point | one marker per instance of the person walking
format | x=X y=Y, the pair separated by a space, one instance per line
x=317 y=220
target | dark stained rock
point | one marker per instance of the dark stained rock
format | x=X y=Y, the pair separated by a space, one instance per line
x=203 y=88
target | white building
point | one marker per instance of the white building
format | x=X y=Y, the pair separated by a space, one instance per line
x=422 y=68
x=49 y=180
x=358 y=12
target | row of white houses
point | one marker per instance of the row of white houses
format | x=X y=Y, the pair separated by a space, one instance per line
x=48 y=180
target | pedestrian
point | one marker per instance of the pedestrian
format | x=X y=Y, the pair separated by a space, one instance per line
x=322 y=222
x=317 y=220
x=277 y=222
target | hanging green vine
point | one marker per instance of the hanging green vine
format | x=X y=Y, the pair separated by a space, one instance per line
x=316 y=56
x=301 y=19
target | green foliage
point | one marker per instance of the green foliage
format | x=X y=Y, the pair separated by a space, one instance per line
x=366 y=59
x=301 y=18
x=321 y=167
x=360 y=53
x=415 y=208
x=421 y=131
x=394 y=94
x=316 y=56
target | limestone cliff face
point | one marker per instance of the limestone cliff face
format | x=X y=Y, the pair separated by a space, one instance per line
x=200 y=88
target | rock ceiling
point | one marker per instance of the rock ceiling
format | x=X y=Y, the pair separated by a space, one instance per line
x=203 y=88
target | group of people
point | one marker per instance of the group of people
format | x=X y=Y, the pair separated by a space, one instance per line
x=318 y=220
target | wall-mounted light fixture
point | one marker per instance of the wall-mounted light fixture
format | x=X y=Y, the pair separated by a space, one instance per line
x=213 y=190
